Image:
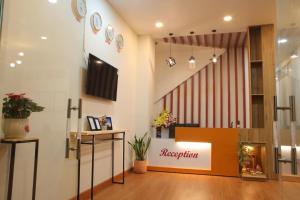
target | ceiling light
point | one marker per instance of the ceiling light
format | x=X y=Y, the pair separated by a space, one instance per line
x=19 y=62
x=192 y=60
x=44 y=38
x=282 y=41
x=294 y=56
x=214 y=58
x=170 y=60
x=227 y=18
x=159 y=24
x=21 y=54
x=98 y=62
x=52 y=1
x=12 y=65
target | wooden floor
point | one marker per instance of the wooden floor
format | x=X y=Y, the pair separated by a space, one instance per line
x=171 y=186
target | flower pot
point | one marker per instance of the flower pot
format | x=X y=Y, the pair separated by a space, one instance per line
x=140 y=166
x=15 y=128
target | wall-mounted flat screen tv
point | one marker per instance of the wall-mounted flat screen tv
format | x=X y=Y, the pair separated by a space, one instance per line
x=102 y=79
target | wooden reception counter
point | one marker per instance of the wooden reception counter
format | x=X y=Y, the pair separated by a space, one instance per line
x=222 y=153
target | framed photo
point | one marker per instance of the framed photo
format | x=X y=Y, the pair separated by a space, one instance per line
x=91 y=121
x=109 y=123
x=97 y=124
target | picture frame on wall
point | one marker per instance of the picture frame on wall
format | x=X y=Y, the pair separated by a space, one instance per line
x=92 y=124
x=97 y=123
x=109 y=123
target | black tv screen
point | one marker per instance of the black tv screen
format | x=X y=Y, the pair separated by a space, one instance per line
x=102 y=79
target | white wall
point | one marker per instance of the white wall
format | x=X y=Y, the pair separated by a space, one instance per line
x=51 y=73
x=145 y=85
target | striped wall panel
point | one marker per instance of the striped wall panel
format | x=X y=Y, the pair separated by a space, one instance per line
x=215 y=96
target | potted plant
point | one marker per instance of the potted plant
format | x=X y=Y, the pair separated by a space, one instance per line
x=164 y=120
x=16 y=110
x=140 y=147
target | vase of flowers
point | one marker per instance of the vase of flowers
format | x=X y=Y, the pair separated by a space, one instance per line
x=164 y=120
x=16 y=111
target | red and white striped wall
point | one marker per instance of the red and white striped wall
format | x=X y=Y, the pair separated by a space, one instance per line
x=215 y=96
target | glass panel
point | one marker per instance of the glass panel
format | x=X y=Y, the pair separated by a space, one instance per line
x=288 y=73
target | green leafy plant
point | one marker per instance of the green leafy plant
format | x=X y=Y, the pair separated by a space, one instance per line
x=140 y=146
x=17 y=106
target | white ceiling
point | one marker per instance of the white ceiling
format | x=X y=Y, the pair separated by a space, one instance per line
x=201 y=16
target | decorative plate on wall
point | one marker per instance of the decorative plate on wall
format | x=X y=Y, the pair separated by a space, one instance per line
x=79 y=7
x=96 y=22
x=119 y=41
x=109 y=34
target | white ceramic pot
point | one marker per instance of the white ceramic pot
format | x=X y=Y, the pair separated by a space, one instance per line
x=15 y=128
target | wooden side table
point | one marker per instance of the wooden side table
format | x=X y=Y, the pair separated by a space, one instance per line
x=14 y=143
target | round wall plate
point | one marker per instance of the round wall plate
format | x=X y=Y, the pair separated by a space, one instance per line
x=120 y=41
x=109 y=33
x=96 y=21
x=80 y=7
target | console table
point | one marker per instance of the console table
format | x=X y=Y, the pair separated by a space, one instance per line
x=90 y=138
x=14 y=143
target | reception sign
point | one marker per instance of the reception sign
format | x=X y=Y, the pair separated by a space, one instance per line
x=190 y=155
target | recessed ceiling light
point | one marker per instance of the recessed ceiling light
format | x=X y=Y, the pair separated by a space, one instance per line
x=21 y=53
x=19 y=62
x=98 y=62
x=227 y=18
x=159 y=24
x=52 y=1
x=12 y=65
x=282 y=41
x=294 y=56
x=44 y=38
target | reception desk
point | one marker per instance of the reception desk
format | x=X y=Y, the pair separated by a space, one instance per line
x=211 y=151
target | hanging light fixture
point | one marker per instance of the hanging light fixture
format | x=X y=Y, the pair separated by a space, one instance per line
x=192 y=60
x=214 y=58
x=170 y=60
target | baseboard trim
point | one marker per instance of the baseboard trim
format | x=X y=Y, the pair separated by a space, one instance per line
x=85 y=195
x=290 y=178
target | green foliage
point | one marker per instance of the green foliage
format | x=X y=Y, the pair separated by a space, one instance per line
x=19 y=107
x=140 y=146
x=243 y=154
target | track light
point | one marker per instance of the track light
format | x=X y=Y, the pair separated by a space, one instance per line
x=170 y=60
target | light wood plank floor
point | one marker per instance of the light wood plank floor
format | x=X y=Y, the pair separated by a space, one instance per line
x=171 y=186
